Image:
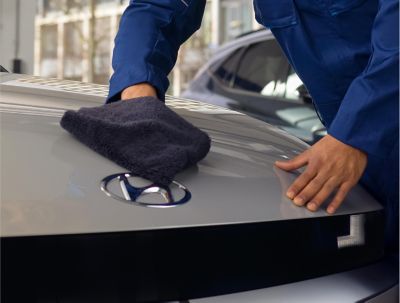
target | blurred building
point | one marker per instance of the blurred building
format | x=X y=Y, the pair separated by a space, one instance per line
x=74 y=38
x=17 y=35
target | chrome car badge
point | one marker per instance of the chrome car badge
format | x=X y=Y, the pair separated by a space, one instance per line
x=120 y=187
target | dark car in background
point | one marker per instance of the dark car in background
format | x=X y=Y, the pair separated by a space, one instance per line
x=252 y=75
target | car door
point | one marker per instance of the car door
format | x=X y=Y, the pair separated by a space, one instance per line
x=260 y=82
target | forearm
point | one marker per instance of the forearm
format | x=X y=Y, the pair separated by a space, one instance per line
x=147 y=44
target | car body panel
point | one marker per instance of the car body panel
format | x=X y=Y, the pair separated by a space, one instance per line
x=51 y=182
x=51 y=200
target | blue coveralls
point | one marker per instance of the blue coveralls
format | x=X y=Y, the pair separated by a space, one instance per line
x=345 y=52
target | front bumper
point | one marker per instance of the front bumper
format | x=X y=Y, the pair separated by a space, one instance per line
x=376 y=283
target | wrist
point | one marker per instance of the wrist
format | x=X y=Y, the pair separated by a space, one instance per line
x=139 y=90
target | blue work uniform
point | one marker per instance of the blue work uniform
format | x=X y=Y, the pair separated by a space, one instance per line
x=345 y=52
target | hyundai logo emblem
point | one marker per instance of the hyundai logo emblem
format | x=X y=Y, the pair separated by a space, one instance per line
x=135 y=194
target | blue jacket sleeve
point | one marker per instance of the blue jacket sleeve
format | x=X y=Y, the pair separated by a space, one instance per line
x=148 y=40
x=368 y=118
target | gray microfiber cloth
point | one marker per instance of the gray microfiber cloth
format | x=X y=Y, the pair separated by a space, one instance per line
x=143 y=135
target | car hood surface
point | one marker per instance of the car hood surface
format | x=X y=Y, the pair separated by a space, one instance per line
x=50 y=183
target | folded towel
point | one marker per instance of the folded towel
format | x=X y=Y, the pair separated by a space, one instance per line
x=142 y=135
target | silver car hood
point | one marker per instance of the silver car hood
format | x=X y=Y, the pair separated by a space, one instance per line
x=50 y=183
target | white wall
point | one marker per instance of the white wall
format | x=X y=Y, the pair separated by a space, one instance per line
x=8 y=33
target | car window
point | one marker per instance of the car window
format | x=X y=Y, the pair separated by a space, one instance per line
x=292 y=83
x=226 y=72
x=264 y=69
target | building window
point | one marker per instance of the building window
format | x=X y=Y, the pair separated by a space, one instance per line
x=236 y=18
x=73 y=50
x=102 y=58
x=48 y=51
x=50 y=6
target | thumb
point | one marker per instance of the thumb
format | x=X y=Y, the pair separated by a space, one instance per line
x=294 y=163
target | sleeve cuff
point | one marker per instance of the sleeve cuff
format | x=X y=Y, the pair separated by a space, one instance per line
x=371 y=140
x=123 y=79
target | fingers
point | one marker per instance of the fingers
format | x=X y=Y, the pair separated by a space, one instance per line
x=331 y=165
x=322 y=195
x=299 y=184
x=316 y=192
x=339 y=197
x=294 y=163
x=312 y=188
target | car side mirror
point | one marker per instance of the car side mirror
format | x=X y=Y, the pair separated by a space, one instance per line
x=304 y=94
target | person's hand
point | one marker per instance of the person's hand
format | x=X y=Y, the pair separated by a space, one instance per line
x=331 y=165
x=138 y=90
